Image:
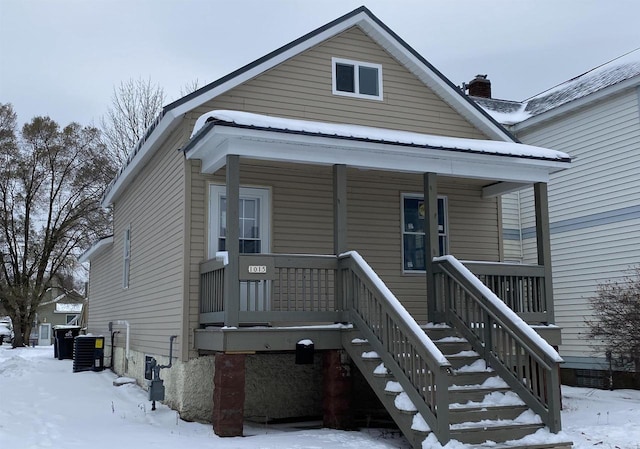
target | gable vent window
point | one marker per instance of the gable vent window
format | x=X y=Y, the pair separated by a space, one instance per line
x=357 y=79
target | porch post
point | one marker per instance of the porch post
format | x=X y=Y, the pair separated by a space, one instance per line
x=340 y=226
x=543 y=242
x=431 y=241
x=339 y=208
x=231 y=272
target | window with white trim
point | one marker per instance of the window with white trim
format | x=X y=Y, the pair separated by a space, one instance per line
x=356 y=79
x=413 y=231
x=254 y=217
x=126 y=257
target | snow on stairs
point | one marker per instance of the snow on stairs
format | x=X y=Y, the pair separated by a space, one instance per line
x=482 y=407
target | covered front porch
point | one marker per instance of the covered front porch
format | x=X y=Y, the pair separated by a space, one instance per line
x=268 y=302
x=274 y=291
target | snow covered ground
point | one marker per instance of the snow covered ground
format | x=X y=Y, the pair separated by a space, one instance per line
x=43 y=404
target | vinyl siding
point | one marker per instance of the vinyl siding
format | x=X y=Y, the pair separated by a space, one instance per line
x=302 y=204
x=604 y=179
x=153 y=208
x=302 y=220
x=301 y=88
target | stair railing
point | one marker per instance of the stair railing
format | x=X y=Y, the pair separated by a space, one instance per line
x=405 y=349
x=526 y=362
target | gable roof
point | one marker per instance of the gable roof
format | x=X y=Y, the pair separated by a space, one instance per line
x=361 y=17
x=607 y=79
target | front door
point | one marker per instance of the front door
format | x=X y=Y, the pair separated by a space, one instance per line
x=254 y=235
x=44 y=334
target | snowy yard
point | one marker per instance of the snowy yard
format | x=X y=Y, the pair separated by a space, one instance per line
x=43 y=404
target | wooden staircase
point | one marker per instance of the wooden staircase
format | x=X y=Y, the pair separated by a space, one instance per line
x=482 y=407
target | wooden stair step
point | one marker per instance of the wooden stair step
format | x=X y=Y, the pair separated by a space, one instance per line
x=472 y=414
x=438 y=331
x=497 y=433
x=464 y=395
x=463 y=358
x=452 y=345
x=471 y=377
x=560 y=445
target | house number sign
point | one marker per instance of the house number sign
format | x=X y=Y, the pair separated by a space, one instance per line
x=257 y=269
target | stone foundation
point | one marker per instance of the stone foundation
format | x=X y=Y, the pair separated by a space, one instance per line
x=275 y=387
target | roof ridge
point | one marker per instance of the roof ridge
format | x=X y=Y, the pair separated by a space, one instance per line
x=579 y=76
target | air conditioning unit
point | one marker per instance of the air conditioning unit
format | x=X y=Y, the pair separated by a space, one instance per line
x=88 y=353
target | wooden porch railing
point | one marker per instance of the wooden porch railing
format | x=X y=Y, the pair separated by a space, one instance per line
x=520 y=287
x=274 y=288
x=306 y=285
x=515 y=351
x=407 y=352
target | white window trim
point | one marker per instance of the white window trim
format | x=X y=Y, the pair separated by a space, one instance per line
x=126 y=257
x=402 y=228
x=216 y=191
x=356 y=65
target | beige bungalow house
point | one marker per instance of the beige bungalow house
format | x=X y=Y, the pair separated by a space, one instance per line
x=298 y=226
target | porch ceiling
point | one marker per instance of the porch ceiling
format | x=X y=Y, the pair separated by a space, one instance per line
x=223 y=133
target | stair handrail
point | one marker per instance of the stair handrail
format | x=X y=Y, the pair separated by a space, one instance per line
x=404 y=347
x=525 y=361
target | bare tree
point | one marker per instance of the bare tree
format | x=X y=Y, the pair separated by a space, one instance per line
x=190 y=87
x=51 y=183
x=615 y=327
x=135 y=105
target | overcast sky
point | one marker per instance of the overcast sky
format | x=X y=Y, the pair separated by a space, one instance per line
x=62 y=58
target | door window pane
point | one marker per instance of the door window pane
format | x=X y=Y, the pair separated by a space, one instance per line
x=413 y=223
x=249 y=225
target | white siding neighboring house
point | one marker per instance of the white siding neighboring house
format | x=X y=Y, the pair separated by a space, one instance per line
x=594 y=207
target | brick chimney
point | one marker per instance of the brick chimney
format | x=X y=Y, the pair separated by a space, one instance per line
x=480 y=86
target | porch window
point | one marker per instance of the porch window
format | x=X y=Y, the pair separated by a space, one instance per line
x=413 y=231
x=126 y=258
x=357 y=79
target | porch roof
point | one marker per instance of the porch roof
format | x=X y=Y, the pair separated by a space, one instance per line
x=221 y=133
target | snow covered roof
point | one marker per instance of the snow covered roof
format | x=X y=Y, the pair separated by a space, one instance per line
x=619 y=73
x=96 y=249
x=172 y=114
x=221 y=133
x=371 y=134
x=68 y=308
